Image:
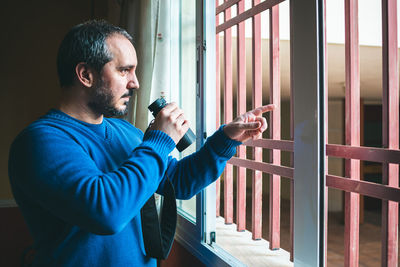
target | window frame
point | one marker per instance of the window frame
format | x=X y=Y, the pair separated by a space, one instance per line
x=196 y=237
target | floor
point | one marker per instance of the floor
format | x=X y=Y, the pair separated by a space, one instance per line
x=247 y=251
x=370 y=240
x=370 y=235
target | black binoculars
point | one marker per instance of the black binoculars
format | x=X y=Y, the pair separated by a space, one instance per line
x=189 y=136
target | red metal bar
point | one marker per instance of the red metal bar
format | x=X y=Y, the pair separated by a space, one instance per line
x=275 y=129
x=241 y=107
x=284 y=145
x=256 y=9
x=263 y=167
x=361 y=187
x=217 y=108
x=383 y=155
x=257 y=101
x=228 y=177
x=364 y=188
x=390 y=122
x=352 y=166
x=224 y=6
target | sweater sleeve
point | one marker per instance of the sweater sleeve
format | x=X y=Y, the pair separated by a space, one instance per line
x=194 y=172
x=50 y=168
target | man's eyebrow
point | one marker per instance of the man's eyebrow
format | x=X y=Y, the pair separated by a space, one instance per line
x=126 y=67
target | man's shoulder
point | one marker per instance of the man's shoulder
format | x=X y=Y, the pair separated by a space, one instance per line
x=48 y=121
x=39 y=128
x=49 y=124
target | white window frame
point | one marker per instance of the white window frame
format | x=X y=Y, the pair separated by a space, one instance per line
x=196 y=237
x=308 y=82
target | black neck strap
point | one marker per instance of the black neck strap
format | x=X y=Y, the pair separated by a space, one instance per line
x=158 y=237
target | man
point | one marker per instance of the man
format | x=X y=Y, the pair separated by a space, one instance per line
x=81 y=179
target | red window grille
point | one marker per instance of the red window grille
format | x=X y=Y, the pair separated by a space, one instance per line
x=352 y=152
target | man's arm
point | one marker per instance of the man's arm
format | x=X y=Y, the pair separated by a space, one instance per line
x=196 y=171
x=51 y=169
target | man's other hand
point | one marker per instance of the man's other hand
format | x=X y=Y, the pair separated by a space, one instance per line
x=171 y=121
x=248 y=125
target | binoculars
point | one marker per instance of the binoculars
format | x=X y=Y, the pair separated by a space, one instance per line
x=189 y=136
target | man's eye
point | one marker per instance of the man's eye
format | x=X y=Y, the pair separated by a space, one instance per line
x=124 y=71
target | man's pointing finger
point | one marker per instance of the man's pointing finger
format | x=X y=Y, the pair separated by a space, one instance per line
x=258 y=111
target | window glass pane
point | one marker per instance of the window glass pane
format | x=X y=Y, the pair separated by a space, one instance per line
x=187 y=85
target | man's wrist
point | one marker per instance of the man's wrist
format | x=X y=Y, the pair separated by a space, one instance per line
x=159 y=140
x=222 y=143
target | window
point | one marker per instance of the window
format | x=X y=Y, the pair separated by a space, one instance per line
x=184 y=82
x=192 y=71
x=308 y=106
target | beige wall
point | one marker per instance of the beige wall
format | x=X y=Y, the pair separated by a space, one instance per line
x=30 y=35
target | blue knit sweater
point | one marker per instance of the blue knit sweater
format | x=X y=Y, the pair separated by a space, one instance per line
x=81 y=186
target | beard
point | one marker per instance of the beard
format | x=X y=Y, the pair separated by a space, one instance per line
x=102 y=98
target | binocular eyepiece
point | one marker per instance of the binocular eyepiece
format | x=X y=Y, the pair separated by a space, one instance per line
x=189 y=136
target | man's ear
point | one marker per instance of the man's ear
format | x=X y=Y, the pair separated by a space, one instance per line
x=84 y=74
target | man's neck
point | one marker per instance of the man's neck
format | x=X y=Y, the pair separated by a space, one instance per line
x=75 y=106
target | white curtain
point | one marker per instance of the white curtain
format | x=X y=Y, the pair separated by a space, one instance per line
x=149 y=24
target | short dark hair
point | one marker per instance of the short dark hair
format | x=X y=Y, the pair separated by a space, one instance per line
x=85 y=42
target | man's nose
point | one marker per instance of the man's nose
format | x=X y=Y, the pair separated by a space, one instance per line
x=133 y=82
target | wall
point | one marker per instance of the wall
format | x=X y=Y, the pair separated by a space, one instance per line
x=31 y=33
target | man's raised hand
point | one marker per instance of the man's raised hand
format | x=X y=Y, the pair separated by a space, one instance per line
x=248 y=125
x=171 y=121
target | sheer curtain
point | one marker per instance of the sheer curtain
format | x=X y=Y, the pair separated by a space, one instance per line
x=148 y=23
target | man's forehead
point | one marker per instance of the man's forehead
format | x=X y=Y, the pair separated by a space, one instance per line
x=122 y=49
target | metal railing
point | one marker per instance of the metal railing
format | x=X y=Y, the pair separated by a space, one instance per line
x=352 y=184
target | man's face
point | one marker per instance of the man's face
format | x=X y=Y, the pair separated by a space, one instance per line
x=114 y=87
